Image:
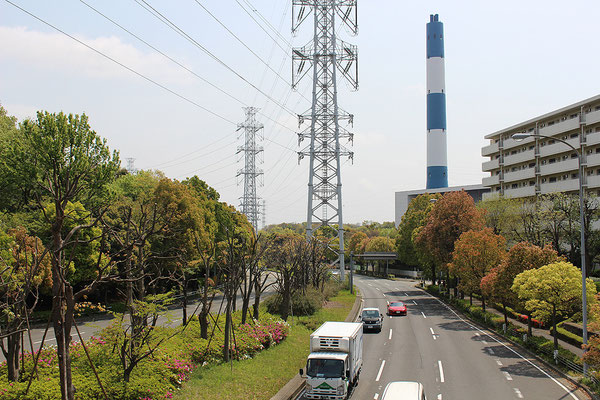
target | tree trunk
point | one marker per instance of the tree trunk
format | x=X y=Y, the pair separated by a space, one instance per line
x=554 y=333
x=529 y=325
x=505 y=314
x=256 y=302
x=433 y=276
x=184 y=303
x=203 y=319
x=226 y=343
x=483 y=303
x=12 y=359
x=471 y=299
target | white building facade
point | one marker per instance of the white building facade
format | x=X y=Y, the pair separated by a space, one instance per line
x=540 y=165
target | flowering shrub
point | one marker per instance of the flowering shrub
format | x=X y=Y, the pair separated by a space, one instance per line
x=157 y=377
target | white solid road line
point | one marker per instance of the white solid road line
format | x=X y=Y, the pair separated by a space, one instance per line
x=507 y=375
x=51 y=339
x=424 y=316
x=390 y=338
x=518 y=393
x=441 y=372
x=380 y=371
x=570 y=392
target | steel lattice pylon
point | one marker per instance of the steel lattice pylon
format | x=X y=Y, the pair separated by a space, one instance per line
x=327 y=55
x=250 y=201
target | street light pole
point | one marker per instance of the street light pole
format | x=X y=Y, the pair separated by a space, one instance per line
x=524 y=135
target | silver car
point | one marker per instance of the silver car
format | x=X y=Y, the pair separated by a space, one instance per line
x=372 y=319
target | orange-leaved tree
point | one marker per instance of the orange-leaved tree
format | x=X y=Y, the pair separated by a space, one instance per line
x=451 y=215
x=475 y=254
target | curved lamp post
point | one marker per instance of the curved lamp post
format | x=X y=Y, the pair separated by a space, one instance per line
x=524 y=135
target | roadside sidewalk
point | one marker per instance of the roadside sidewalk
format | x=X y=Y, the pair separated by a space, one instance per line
x=536 y=331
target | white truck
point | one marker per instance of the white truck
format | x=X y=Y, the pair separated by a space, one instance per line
x=335 y=360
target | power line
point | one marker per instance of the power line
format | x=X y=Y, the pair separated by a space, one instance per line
x=178 y=63
x=286 y=51
x=269 y=25
x=122 y=65
x=244 y=44
x=182 y=33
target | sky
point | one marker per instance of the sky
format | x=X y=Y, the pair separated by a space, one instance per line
x=172 y=97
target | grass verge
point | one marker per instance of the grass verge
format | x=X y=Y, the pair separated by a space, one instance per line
x=262 y=376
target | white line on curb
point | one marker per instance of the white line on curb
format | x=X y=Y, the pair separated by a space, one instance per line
x=441 y=372
x=380 y=371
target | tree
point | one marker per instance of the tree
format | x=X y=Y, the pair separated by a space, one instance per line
x=500 y=214
x=451 y=215
x=521 y=257
x=24 y=269
x=380 y=244
x=59 y=158
x=554 y=289
x=355 y=241
x=414 y=217
x=475 y=254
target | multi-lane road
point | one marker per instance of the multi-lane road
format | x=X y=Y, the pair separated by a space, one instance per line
x=453 y=358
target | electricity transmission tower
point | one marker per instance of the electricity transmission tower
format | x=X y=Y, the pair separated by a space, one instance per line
x=249 y=201
x=131 y=165
x=328 y=56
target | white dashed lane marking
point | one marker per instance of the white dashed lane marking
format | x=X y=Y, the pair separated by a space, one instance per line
x=376 y=396
x=441 y=371
x=380 y=371
x=518 y=393
x=507 y=376
x=424 y=316
x=390 y=338
x=499 y=362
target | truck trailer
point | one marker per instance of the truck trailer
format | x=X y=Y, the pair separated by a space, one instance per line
x=335 y=360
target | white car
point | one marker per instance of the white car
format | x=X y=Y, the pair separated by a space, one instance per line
x=404 y=391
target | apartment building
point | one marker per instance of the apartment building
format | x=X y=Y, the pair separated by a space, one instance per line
x=543 y=164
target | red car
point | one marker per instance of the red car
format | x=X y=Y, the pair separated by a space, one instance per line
x=396 y=308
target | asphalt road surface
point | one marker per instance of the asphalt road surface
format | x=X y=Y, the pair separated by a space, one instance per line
x=451 y=357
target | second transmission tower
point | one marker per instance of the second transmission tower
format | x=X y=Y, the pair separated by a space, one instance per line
x=328 y=56
x=250 y=201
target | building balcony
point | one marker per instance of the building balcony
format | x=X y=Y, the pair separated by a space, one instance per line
x=487 y=151
x=490 y=165
x=558 y=147
x=523 y=174
x=592 y=138
x=490 y=181
x=562 y=126
x=519 y=158
x=592 y=160
x=592 y=118
x=526 y=191
x=509 y=143
x=593 y=181
x=569 y=185
x=571 y=165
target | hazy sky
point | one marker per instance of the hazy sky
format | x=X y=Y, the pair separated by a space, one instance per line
x=506 y=62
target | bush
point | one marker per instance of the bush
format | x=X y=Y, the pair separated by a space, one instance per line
x=307 y=302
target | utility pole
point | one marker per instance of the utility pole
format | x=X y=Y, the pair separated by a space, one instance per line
x=249 y=201
x=328 y=56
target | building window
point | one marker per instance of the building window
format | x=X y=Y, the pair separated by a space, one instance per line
x=514 y=186
x=574 y=135
x=543 y=180
x=553 y=179
x=531 y=165
x=574 y=176
x=531 y=183
x=552 y=161
x=573 y=155
x=573 y=116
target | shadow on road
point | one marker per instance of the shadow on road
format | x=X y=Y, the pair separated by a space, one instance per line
x=523 y=368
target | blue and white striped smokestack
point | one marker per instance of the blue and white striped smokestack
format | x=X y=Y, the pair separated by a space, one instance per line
x=437 y=160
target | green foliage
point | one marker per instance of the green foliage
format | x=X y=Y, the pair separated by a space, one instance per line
x=415 y=217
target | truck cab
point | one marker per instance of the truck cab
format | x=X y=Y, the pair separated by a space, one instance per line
x=327 y=373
